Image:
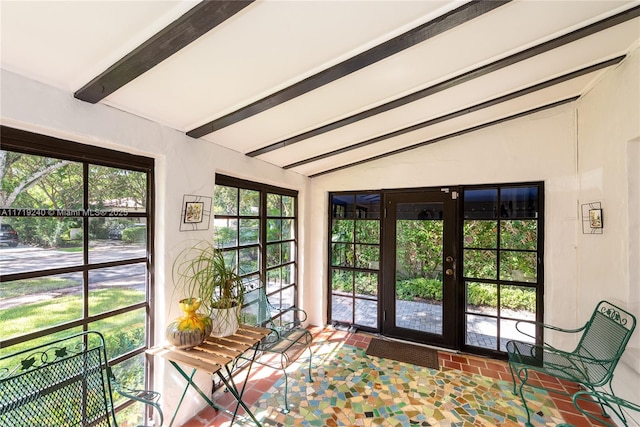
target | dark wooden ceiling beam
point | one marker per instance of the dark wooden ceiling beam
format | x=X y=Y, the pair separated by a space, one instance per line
x=189 y=27
x=397 y=44
x=445 y=137
x=464 y=111
x=454 y=81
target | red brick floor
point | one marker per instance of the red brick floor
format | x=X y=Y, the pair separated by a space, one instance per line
x=263 y=378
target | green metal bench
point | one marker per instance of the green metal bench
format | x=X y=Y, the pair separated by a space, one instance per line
x=288 y=339
x=66 y=382
x=602 y=341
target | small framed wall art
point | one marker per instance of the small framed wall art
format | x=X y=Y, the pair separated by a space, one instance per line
x=592 y=218
x=196 y=212
x=595 y=218
x=193 y=212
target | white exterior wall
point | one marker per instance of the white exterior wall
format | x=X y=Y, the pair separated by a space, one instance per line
x=183 y=165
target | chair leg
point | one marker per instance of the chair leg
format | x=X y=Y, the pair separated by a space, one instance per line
x=603 y=403
x=526 y=408
x=513 y=378
x=523 y=376
x=286 y=392
x=310 y=357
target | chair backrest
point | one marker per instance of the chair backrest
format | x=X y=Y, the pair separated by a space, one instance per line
x=258 y=311
x=604 y=339
x=60 y=383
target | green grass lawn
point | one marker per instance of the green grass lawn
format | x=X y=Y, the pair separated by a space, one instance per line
x=20 y=288
x=123 y=333
x=30 y=317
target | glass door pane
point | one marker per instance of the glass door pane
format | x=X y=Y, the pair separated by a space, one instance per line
x=419 y=261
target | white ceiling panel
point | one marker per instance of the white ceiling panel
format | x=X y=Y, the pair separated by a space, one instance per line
x=66 y=43
x=255 y=48
x=435 y=60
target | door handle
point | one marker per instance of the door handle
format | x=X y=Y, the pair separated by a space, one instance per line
x=449 y=272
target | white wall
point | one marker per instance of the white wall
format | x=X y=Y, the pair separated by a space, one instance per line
x=540 y=147
x=609 y=172
x=183 y=166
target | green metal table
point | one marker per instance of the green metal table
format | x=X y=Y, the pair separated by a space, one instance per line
x=215 y=356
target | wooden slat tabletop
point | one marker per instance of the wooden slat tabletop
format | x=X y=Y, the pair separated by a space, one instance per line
x=254 y=330
x=204 y=356
x=219 y=350
x=208 y=367
x=215 y=352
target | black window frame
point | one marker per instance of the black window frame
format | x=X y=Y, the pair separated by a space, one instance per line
x=355 y=215
x=538 y=285
x=274 y=296
x=31 y=143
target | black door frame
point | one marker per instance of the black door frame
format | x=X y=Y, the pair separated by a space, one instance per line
x=449 y=196
x=459 y=323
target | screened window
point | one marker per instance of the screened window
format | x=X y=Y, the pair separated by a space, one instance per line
x=256 y=226
x=75 y=249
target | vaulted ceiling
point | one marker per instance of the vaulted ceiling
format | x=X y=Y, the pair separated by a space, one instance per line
x=318 y=86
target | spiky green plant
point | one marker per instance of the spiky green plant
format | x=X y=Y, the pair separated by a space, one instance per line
x=201 y=271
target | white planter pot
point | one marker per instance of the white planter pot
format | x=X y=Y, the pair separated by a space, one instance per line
x=225 y=321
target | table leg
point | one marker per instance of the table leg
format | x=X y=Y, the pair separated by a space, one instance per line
x=190 y=382
x=231 y=386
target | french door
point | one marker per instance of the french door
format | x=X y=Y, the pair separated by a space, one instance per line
x=420 y=269
x=455 y=267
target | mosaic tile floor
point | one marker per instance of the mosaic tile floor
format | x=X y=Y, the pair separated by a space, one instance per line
x=353 y=389
x=350 y=388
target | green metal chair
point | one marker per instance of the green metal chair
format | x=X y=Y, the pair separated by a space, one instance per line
x=615 y=404
x=288 y=339
x=66 y=382
x=602 y=341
